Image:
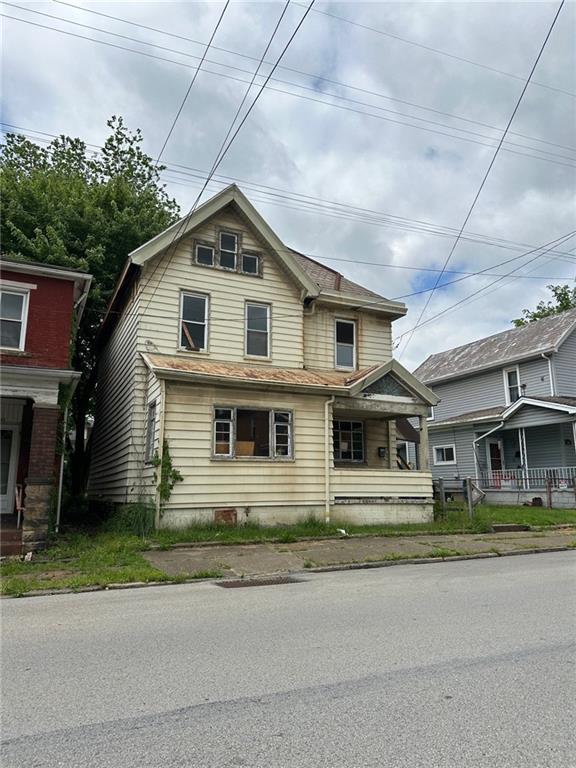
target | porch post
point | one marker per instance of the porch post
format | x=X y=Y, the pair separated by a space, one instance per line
x=522 y=457
x=41 y=477
x=423 y=453
x=525 y=459
x=391 y=443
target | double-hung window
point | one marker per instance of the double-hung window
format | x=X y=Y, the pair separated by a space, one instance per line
x=345 y=332
x=512 y=384
x=252 y=433
x=13 y=316
x=257 y=330
x=445 y=454
x=228 y=250
x=348 y=439
x=194 y=322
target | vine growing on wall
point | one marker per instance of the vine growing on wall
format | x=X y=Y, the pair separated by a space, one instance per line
x=169 y=475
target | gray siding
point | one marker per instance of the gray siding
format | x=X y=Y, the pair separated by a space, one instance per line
x=486 y=390
x=531 y=416
x=461 y=437
x=565 y=367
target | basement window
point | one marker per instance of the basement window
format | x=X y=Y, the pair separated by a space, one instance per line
x=244 y=433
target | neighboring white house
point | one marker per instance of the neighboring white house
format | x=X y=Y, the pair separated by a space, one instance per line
x=507 y=411
x=267 y=376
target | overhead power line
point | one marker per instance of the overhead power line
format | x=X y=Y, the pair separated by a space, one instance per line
x=545 y=155
x=313 y=76
x=438 y=51
x=195 y=75
x=277 y=197
x=488 y=170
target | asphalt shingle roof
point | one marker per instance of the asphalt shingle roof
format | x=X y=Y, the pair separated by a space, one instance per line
x=330 y=280
x=516 y=344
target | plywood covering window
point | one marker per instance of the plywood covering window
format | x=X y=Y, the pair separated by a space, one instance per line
x=243 y=433
x=194 y=322
x=13 y=316
x=257 y=343
x=348 y=439
x=345 y=332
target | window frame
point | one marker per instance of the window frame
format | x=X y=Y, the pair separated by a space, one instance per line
x=268 y=355
x=206 y=297
x=353 y=323
x=338 y=460
x=271 y=433
x=430 y=416
x=507 y=386
x=237 y=252
x=202 y=244
x=6 y=287
x=443 y=447
x=150 y=445
x=250 y=255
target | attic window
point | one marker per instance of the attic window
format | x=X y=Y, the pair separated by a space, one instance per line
x=228 y=250
x=204 y=254
x=250 y=264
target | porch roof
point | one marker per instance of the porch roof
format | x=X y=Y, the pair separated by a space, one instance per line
x=503 y=413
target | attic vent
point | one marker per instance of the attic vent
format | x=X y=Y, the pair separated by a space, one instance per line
x=237 y=583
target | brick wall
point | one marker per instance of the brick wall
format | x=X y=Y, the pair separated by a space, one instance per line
x=49 y=326
x=42 y=461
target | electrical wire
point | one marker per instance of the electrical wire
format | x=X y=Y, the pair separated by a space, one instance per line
x=488 y=170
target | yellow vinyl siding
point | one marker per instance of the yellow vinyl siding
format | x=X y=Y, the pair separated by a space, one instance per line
x=373 y=337
x=210 y=482
x=228 y=292
x=368 y=482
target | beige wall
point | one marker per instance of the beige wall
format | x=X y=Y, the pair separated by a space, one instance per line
x=374 y=338
x=228 y=291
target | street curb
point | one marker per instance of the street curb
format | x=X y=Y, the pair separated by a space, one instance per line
x=318 y=569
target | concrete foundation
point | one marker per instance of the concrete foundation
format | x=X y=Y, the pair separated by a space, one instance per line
x=512 y=498
x=378 y=512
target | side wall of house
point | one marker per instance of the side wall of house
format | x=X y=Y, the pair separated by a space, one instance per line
x=487 y=389
x=461 y=437
x=165 y=278
x=374 y=337
x=565 y=367
x=118 y=424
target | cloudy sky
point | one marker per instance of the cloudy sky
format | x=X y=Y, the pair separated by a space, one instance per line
x=368 y=145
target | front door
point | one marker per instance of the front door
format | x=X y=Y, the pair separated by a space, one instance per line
x=495 y=458
x=8 y=461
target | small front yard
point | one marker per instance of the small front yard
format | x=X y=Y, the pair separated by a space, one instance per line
x=104 y=557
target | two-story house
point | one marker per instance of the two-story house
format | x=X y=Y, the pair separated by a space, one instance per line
x=40 y=307
x=507 y=411
x=267 y=379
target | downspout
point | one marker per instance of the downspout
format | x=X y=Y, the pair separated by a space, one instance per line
x=327 y=414
x=61 y=472
x=550 y=374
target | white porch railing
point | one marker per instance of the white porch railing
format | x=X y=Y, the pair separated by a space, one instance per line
x=540 y=477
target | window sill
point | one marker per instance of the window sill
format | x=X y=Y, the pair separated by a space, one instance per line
x=445 y=463
x=265 y=459
x=15 y=352
x=185 y=351
x=260 y=358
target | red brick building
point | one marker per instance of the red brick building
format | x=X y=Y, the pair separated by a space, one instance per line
x=40 y=307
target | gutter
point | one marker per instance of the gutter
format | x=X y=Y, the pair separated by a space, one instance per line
x=327 y=408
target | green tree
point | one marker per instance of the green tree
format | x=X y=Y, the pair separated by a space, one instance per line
x=564 y=299
x=66 y=205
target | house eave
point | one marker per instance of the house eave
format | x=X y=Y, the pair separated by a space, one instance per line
x=383 y=306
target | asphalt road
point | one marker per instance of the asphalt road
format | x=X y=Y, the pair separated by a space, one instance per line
x=455 y=664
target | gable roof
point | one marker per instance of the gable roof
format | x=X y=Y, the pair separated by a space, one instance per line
x=503 y=412
x=532 y=340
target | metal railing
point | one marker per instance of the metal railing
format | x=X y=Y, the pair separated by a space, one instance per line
x=557 y=478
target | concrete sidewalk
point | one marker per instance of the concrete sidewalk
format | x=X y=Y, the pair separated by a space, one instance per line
x=268 y=558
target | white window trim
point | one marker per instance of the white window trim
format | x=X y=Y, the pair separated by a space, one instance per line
x=206 y=298
x=204 y=245
x=505 y=373
x=351 y=461
x=272 y=433
x=249 y=303
x=25 y=293
x=431 y=417
x=236 y=253
x=444 y=463
x=354 y=346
